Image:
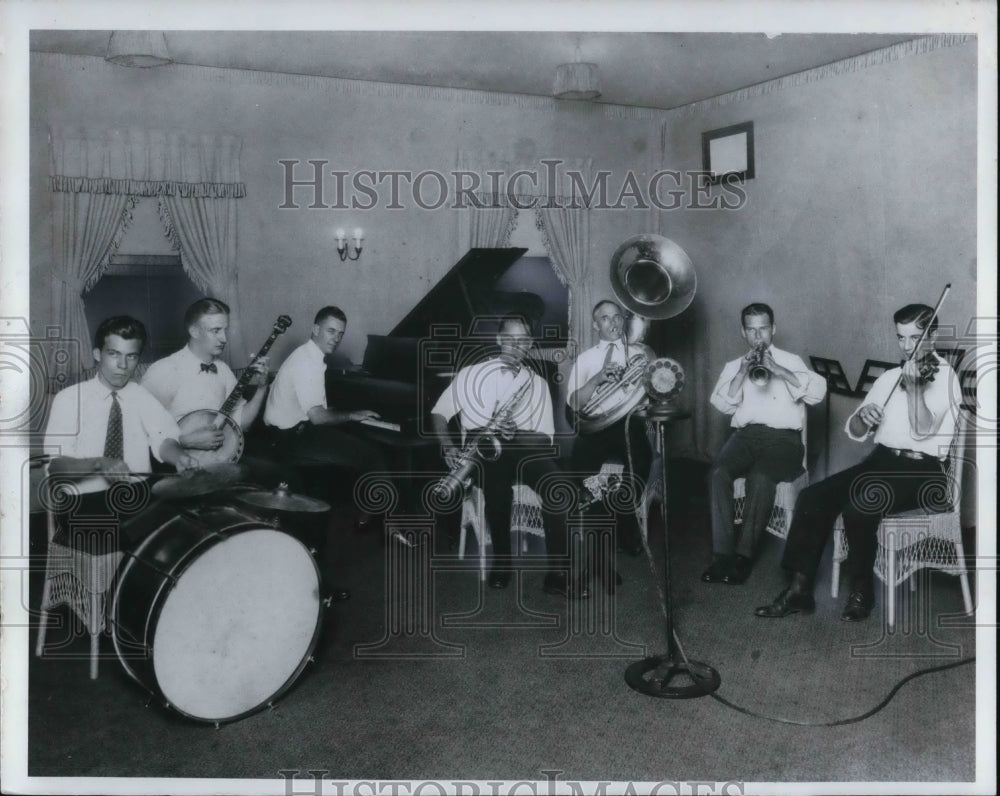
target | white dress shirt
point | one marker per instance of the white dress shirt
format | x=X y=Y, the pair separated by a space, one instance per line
x=78 y=424
x=591 y=362
x=299 y=386
x=179 y=383
x=776 y=404
x=943 y=398
x=477 y=390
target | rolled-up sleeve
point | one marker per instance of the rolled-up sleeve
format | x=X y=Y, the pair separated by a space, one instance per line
x=158 y=424
x=720 y=395
x=445 y=404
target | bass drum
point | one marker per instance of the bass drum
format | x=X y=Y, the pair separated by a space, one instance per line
x=217 y=613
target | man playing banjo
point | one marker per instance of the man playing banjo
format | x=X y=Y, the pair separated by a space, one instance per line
x=194 y=378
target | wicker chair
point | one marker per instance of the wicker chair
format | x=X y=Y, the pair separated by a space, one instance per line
x=525 y=519
x=80 y=579
x=912 y=540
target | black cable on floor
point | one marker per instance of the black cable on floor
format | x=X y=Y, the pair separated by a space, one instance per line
x=838 y=722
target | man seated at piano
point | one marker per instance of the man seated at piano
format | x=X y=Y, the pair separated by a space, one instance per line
x=504 y=398
x=302 y=428
x=196 y=378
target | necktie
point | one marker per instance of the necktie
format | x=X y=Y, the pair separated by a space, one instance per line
x=114 y=442
x=209 y=368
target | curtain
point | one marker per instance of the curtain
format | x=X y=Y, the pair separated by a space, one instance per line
x=566 y=233
x=87 y=230
x=204 y=230
x=97 y=175
x=488 y=219
x=565 y=224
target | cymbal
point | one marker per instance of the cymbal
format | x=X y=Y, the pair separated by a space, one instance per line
x=283 y=500
x=202 y=481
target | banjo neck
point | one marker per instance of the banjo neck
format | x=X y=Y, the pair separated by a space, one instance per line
x=277 y=330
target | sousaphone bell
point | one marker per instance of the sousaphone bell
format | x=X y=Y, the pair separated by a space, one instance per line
x=654 y=279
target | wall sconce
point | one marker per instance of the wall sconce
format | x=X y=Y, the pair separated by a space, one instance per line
x=342 y=248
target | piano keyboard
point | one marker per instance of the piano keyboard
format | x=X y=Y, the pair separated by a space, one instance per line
x=381 y=424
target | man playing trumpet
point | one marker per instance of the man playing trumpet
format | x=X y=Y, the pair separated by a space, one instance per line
x=766 y=392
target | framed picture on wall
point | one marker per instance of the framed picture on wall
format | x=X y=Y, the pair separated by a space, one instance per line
x=727 y=153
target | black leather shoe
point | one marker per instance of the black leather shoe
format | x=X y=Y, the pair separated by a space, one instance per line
x=788 y=602
x=739 y=571
x=717 y=572
x=499 y=579
x=859 y=606
x=558 y=583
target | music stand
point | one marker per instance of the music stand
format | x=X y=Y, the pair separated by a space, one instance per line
x=664 y=668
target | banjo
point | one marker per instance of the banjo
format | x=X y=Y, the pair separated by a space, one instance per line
x=232 y=443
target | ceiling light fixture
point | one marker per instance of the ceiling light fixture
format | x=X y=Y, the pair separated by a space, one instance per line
x=143 y=48
x=577 y=81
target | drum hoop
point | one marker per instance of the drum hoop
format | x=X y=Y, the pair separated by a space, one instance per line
x=158 y=600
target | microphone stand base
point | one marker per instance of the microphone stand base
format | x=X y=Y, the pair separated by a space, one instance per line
x=703 y=679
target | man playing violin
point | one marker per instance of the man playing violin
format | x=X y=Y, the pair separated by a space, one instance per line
x=768 y=409
x=596 y=368
x=196 y=378
x=913 y=425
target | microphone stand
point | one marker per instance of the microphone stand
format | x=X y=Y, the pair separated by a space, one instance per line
x=664 y=668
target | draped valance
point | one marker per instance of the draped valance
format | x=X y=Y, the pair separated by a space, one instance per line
x=135 y=162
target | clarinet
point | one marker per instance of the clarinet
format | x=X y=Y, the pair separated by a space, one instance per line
x=484 y=445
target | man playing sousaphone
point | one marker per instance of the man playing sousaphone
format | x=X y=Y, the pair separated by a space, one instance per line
x=504 y=395
x=596 y=370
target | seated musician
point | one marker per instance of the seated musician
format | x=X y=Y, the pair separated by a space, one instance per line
x=105 y=428
x=766 y=444
x=597 y=366
x=303 y=429
x=196 y=378
x=913 y=426
x=504 y=391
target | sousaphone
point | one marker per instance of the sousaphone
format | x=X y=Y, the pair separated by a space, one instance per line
x=654 y=279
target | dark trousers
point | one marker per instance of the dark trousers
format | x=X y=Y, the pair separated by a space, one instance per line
x=763 y=456
x=310 y=446
x=590 y=451
x=526 y=459
x=882 y=484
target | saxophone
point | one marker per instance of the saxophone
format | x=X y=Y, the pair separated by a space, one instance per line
x=482 y=445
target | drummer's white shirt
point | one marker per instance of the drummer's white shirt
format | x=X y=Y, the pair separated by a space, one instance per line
x=78 y=425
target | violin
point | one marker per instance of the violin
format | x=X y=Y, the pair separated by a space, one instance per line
x=927 y=367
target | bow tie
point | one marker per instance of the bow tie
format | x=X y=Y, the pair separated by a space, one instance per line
x=209 y=368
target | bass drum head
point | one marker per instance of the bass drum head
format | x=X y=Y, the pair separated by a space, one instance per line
x=238 y=626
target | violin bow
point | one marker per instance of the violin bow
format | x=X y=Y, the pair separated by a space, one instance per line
x=920 y=342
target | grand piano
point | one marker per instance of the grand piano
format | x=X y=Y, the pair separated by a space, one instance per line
x=404 y=371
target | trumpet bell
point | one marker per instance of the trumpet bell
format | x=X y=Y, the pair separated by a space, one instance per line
x=653 y=277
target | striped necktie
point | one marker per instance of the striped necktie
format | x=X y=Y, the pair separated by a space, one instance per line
x=114 y=442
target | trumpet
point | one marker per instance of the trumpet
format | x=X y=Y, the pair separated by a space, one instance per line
x=757 y=373
x=484 y=445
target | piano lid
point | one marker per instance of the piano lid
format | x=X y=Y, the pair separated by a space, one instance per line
x=464 y=293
